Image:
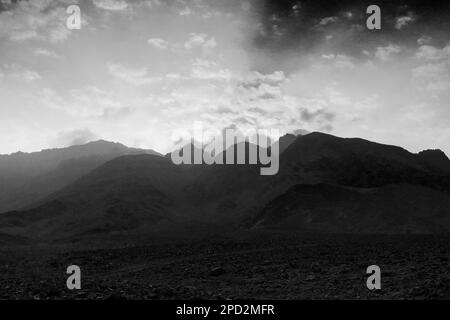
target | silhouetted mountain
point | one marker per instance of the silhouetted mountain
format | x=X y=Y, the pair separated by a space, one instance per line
x=325 y=184
x=319 y=157
x=435 y=159
x=336 y=209
x=27 y=177
x=35 y=163
x=124 y=193
x=194 y=149
x=285 y=141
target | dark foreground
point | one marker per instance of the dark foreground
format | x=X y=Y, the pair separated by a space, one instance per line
x=257 y=266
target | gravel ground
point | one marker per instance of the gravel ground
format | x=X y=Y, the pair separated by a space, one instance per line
x=256 y=266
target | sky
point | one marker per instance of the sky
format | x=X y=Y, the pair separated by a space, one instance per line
x=138 y=70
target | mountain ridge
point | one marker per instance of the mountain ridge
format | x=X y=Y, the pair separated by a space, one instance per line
x=27 y=177
x=143 y=192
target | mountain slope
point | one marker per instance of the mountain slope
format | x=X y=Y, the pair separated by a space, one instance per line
x=128 y=192
x=319 y=157
x=337 y=209
x=36 y=163
x=26 y=178
x=435 y=159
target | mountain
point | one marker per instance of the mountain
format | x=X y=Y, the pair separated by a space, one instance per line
x=124 y=193
x=35 y=163
x=335 y=209
x=325 y=184
x=319 y=157
x=27 y=177
x=359 y=173
x=435 y=159
x=285 y=141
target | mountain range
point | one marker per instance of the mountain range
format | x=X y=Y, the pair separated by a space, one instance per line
x=27 y=177
x=325 y=184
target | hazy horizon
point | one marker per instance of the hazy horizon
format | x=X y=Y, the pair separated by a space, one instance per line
x=163 y=153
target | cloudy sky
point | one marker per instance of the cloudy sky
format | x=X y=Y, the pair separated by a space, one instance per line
x=136 y=71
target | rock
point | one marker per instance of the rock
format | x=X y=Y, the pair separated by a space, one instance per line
x=217 y=272
x=316 y=267
x=81 y=294
x=310 y=277
x=153 y=295
x=416 y=291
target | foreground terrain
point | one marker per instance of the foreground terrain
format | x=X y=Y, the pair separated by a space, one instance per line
x=252 y=266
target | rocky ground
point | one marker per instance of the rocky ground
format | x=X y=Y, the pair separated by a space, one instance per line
x=256 y=266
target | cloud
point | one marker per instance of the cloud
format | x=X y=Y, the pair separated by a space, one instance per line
x=17 y=72
x=404 y=21
x=264 y=91
x=308 y=116
x=246 y=99
x=75 y=137
x=87 y=102
x=91 y=101
x=428 y=71
x=136 y=77
x=165 y=73
x=158 y=43
x=424 y=40
x=348 y=14
x=296 y=8
x=46 y=53
x=194 y=40
x=111 y=5
x=186 y=11
x=339 y=61
x=274 y=78
x=200 y=40
x=433 y=76
x=328 y=20
x=209 y=70
x=197 y=9
x=215 y=94
x=385 y=53
x=428 y=52
x=40 y=20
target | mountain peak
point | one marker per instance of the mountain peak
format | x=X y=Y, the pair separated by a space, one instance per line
x=102 y=142
x=437 y=153
x=435 y=158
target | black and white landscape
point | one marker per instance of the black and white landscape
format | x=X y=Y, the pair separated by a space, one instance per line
x=143 y=227
x=363 y=179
